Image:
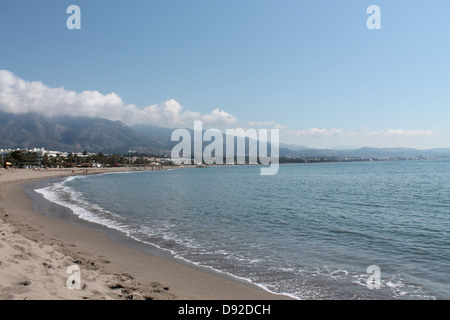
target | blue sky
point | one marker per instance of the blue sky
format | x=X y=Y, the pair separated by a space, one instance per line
x=311 y=68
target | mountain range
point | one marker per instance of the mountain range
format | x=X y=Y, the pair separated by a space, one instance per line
x=78 y=134
x=75 y=134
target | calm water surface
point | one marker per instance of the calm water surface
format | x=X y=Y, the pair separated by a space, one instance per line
x=310 y=231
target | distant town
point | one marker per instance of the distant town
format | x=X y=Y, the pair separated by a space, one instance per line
x=43 y=158
x=40 y=157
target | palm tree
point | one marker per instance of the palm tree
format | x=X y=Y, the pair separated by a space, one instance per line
x=18 y=157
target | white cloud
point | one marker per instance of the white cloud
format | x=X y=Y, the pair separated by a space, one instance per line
x=261 y=124
x=317 y=133
x=397 y=133
x=272 y=124
x=365 y=137
x=402 y=133
x=20 y=96
x=218 y=117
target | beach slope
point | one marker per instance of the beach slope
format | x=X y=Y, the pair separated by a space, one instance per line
x=38 y=254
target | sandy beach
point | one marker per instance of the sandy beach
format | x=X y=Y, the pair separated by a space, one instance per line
x=37 y=251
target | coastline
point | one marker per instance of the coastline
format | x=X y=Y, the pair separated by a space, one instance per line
x=36 y=250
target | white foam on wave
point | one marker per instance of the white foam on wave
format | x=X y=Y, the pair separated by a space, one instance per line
x=397 y=287
x=81 y=208
x=192 y=244
x=241 y=278
x=339 y=274
x=85 y=210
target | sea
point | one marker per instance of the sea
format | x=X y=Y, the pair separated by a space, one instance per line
x=312 y=231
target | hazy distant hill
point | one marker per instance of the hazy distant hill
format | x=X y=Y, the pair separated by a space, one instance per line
x=159 y=136
x=77 y=134
x=292 y=147
x=162 y=136
x=369 y=152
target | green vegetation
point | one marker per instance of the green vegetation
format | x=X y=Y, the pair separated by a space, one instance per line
x=22 y=159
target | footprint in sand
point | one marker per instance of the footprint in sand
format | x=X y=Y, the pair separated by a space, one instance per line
x=18 y=248
x=12 y=261
x=21 y=257
x=57 y=255
x=25 y=283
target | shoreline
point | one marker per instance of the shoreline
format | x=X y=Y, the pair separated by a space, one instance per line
x=37 y=249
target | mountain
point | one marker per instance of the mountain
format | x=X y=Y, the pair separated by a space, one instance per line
x=74 y=134
x=160 y=137
x=293 y=147
x=367 y=152
x=442 y=152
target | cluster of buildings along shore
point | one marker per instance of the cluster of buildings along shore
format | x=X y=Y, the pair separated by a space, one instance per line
x=42 y=152
x=86 y=159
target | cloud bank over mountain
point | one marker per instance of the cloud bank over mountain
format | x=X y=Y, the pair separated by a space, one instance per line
x=19 y=96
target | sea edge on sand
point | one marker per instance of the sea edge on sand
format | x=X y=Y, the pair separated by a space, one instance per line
x=120 y=272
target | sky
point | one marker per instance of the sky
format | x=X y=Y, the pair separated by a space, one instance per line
x=312 y=69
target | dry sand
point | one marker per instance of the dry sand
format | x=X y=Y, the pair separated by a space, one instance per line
x=36 y=251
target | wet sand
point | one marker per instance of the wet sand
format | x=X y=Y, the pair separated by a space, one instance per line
x=36 y=251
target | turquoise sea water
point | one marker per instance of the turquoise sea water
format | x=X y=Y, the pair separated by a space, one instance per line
x=310 y=231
